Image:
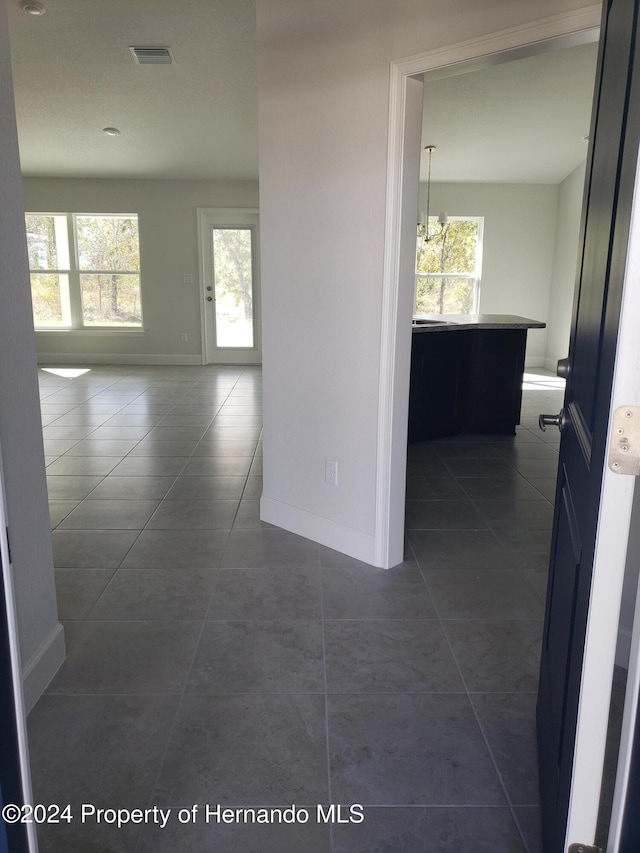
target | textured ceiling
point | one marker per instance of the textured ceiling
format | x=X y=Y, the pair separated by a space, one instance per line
x=74 y=75
x=520 y=122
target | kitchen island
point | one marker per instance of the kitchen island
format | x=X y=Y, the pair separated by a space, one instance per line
x=466 y=374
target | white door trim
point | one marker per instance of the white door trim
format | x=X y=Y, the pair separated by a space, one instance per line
x=572 y=28
x=209 y=217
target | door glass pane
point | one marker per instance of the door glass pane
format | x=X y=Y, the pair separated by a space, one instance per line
x=111 y=300
x=233 y=277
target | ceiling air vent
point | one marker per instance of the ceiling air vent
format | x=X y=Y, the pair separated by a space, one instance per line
x=152 y=55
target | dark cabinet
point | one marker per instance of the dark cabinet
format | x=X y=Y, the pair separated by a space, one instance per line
x=465 y=381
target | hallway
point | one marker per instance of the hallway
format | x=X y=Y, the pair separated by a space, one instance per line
x=216 y=659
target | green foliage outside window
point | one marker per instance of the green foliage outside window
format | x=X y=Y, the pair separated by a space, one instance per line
x=41 y=242
x=108 y=244
x=232 y=262
x=446 y=267
x=233 y=278
x=106 y=274
x=45 y=293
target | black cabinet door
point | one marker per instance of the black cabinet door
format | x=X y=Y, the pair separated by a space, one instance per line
x=438 y=384
x=496 y=365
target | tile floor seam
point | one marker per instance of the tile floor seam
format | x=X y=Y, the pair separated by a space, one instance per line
x=145 y=527
x=204 y=384
x=154 y=786
x=500 y=777
x=468 y=695
x=327 y=733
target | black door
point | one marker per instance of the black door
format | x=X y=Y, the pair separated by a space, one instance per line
x=611 y=168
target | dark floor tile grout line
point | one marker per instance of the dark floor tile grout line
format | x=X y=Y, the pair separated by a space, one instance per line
x=153 y=787
x=187 y=458
x=468 y=694
x=499 y=774
x=117 y=569
x=204 y=621
x=326 y=701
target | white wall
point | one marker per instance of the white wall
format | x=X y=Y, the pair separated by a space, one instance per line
x=323 y=101
x=518 y=247
x=168 y=252
x=563 y=277
x=41 y=636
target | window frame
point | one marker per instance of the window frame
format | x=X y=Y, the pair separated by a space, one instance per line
x=476 y=276
x=72 y=299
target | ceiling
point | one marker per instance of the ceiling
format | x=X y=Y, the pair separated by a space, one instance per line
x=197 y=119
x=518 y=122
x=74 y=75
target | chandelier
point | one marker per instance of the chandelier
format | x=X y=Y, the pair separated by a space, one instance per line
x=442 y=216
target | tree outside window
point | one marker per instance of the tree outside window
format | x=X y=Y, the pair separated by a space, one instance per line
x=233 y=279
x=85 y=270
x=448 y=266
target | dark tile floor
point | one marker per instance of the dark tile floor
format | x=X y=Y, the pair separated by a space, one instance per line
x=215 y=659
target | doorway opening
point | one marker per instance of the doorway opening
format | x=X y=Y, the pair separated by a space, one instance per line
x=400 y=235
x=405 y=132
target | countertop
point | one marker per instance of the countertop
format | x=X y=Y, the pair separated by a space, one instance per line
x=448 y=322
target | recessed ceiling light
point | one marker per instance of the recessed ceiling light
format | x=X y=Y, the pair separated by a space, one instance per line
x=111 y=131
x=32 y=8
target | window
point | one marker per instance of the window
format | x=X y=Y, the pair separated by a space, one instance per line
x=233 y=282
x=448 y=266
x=85 y=270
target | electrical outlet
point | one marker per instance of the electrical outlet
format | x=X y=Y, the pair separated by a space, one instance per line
x=188 y=279
x=184 y=337
x=331 y=472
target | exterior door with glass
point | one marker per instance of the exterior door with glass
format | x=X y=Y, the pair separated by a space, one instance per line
x=230 y=289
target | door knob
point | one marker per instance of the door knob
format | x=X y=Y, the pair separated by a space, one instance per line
x=209 y=298
x=563 y=368
x=558 y=420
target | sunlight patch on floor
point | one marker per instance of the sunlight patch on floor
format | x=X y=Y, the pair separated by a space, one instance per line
x=67 y=372
x=538 y=381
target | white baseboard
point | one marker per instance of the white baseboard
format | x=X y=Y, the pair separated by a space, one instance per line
x=551 y=364
x=43 y=665
x=348 y=541
x=116 y=358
